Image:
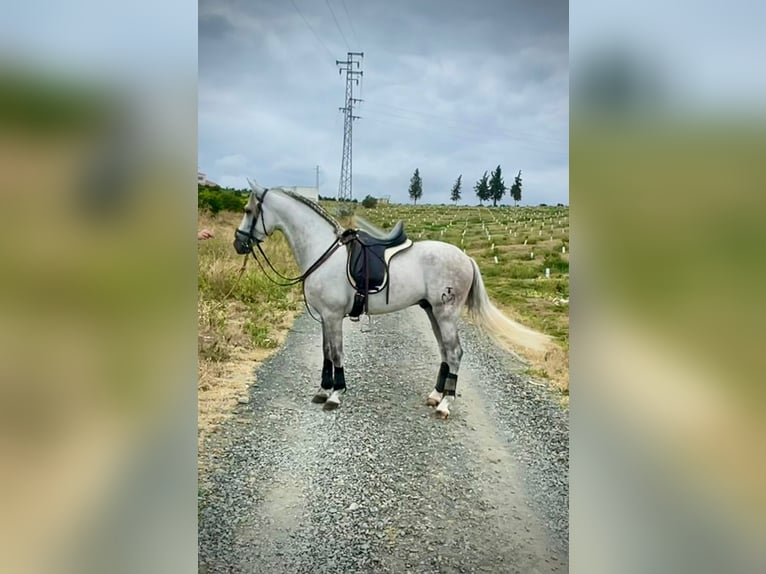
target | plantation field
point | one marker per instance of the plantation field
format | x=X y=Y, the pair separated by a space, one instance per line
x=513 y=247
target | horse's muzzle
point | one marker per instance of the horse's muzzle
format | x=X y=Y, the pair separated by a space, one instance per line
x=243 y=245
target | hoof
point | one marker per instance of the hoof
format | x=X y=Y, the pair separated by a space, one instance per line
x=331 y=405
x=431 y=402
x=441 y=414
x=319 y=398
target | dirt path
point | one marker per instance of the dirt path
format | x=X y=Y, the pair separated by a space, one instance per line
x=380 y=485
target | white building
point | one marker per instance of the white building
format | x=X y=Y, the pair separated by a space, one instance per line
x=203 y=180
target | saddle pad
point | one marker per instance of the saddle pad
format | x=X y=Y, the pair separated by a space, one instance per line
x=378 y=259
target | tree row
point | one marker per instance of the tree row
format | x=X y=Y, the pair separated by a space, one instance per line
x=489 y=187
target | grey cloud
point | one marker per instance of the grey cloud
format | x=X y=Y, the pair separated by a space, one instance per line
x=213 y=28
x=449 y=87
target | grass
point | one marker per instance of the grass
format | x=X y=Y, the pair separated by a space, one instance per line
x=242 y=316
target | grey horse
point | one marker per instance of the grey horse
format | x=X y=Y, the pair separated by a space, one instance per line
x=435 y=275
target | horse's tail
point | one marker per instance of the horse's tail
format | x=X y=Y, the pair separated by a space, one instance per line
x=506 y=332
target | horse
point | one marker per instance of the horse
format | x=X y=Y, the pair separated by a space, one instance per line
x=437 y=276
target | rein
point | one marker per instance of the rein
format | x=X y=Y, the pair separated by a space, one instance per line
x=290 y=281
x=300 y=279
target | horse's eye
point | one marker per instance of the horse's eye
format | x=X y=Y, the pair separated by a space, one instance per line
x=248 y=210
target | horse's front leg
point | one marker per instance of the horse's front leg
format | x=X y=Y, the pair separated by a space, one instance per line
x=333 y=377
x=335 y=338
x=325 y=389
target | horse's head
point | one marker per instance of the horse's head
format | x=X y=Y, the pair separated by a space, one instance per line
x=257 y=223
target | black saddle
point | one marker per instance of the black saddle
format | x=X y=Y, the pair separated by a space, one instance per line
x=368 y=261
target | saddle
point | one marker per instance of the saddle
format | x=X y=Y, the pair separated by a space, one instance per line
x=369 y=257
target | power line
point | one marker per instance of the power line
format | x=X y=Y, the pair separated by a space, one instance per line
x=462 y=128
x=461 y=125
x=337 y=25
x=312 y=30
x=356 y=38
x=449 y=134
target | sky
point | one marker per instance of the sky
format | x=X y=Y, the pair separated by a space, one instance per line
x=449 y=87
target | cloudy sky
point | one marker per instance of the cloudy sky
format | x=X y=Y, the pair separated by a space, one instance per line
x=449 y=87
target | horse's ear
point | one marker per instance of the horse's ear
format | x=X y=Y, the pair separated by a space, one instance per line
x=256 y=188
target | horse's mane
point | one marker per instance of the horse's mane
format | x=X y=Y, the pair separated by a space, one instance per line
x=312 y=205
x=362 y=223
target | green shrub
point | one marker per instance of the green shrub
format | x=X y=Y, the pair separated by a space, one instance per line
x=216 y=199
x=556 y=263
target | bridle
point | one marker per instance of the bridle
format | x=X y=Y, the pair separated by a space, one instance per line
x=250 y=237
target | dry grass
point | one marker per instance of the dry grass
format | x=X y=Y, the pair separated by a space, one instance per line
x=242 y=318
x=552 y=364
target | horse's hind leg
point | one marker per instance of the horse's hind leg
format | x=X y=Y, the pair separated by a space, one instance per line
x=453 y=353
x=438 y=392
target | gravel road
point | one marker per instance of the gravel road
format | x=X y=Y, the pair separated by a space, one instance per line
x=380 y=485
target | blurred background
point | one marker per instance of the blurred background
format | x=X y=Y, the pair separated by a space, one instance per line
x=667 y=180
x=97 y=290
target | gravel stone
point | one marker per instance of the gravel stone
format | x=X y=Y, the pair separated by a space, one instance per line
x=380 y=484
